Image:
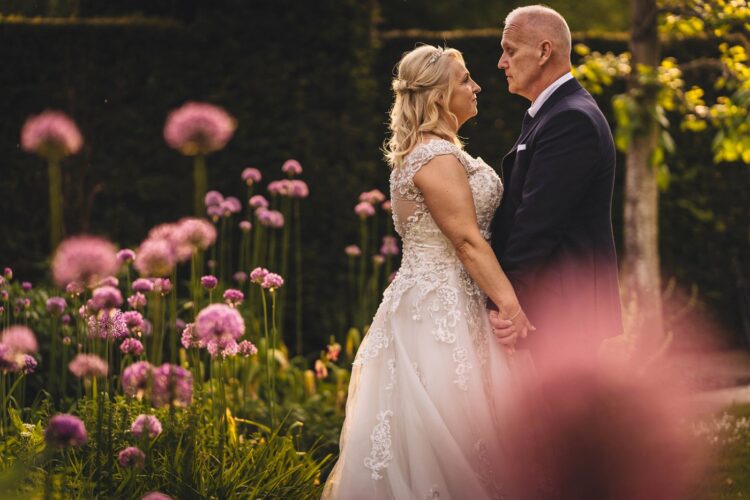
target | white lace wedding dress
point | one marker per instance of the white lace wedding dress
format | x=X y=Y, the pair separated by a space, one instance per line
x=422 y=414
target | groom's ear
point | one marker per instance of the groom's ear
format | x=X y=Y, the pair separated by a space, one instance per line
x=545 y=52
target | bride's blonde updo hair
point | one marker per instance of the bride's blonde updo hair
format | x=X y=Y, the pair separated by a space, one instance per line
x=422 y=76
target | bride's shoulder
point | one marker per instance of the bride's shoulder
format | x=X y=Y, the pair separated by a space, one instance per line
x=429 y=147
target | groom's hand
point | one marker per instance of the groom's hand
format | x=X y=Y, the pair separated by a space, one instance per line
x=504 y=330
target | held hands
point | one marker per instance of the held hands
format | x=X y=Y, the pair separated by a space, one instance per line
x=508 y=330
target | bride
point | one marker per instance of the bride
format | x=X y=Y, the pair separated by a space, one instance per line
x=422 y=414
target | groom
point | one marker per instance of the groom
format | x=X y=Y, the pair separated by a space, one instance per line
x=553 y=231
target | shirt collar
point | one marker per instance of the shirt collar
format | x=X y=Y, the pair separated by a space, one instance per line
x=539 y=102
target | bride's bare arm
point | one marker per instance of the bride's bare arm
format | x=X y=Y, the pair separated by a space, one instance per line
x=448 y=197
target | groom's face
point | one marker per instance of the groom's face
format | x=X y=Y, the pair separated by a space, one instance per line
x=519 y=60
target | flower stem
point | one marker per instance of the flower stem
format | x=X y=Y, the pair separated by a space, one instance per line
x=200 y=183
x=56 y=225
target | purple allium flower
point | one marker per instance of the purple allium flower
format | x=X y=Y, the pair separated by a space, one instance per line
x=214 y=212
x=8 y=273
x=291 y=168
x=189 y=338
x=105 y=297
x=246 y=348
x=65 y=430
x=218 y=327
x=107 y=324
x=131 y=346
x=180 y=324
x=131 y=457
x=74 y=288
x=137 y=301
x=321 y=370
x=258 y=201
x=26 y=286
x=66 y=319
x=51 y=134
x=353 y=251
x=245 y=226
x=257 y=275
x=125 y=256
x=390 y=246
x=274 y=219
x=56 y=305
x=146 y=425
x=198 y=128
x=364 y=210
x=143 y=285
x=84 y=259
x=209 y=281
x=300 y=189
x=282 y=187
x=195 y=233
x=29 y=364
x=8 y=361
x=233 y=297
x=146 y=328
x=155 y=258
x=135 y=379
x=109 y=281
x=231 y=205
x=155 y=495
x=251 y=175
x=240 y=277
x=213 y=198
x=387 y=206
x=19 y=340
x=88 y=365
x=162 y=286
x=378 y=260
x=372 y=197
x=172 y=385
x=272 y=281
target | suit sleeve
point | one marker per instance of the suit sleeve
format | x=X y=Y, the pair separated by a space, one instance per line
x=564 y=159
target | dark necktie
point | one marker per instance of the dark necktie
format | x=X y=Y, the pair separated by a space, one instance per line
x=526 y=121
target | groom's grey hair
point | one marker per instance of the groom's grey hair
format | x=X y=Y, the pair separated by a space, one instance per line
x=546 y=21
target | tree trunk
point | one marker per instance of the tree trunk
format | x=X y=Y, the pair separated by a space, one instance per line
x=641 y=270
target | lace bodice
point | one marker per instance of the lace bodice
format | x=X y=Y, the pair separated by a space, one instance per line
x=411 y=217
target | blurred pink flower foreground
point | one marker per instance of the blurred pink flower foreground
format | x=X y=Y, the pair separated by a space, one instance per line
x=85 y=260
x=198 y=128
x=51 y=134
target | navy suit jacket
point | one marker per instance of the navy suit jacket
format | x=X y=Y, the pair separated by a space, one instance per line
x=553 y=231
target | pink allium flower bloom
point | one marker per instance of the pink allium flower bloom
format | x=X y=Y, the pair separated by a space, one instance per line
x=353 y=251
x=364 y=210
x=4 y=295
x=291 y=168
x=147 y=425
x=378 y=260
x=321 y=371
x=146 y=328
x=74 y=288
x=387 y=206
x=107 y=324
x=162 y=286
x=56 y=305
x=164 y=231
x=26 y=286
x=233 y=297
x=135 y=379
x=105 y=297
x=258 y=201
x=282 y=187
x=274 y=219
x=251 y=175
x=333 y=351
x=9 y=362
x=232 y=205
x=131 y=457
x=155 y=495
x=189 y=337
x=65 y=430
x=218 y=327
x=66 y=319
x=88 y=365
x=390 y=246
x=257 y=275
x=300 y=189
x=213 y=199
x=198 y=128
x=133 y=320
x=155 y=258
x=143 y=285
x=8 y=273
x=125 y=256
x=240 y=277
x=196 y=233
x=209 y=282
x=372 y=197
x=19 y=340
x=109 y=281
x=29 y=364
x=172 y=385
x=131 y=346
x=246 y=348
x=272 y=281
x=214 y=212
x=137 y=301
x=84 y=259
x=51 y=134
x=264 y=216
x=245 y=226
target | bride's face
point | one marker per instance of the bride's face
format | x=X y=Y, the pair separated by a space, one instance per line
x=463 y=101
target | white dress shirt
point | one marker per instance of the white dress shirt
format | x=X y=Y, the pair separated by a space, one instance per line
x=539 y=102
